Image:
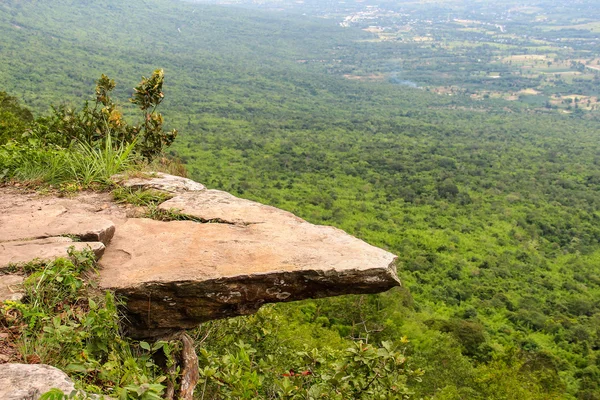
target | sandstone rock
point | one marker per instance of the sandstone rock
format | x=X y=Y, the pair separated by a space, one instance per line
x=180 y=273
x=219 y=206
x=55 y=221
x=10 y=287
x=21 y=252
x=159 y=181
x=16 y=202
x=35 y=227
x=29 y=382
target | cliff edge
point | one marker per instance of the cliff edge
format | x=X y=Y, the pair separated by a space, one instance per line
x=217 y=256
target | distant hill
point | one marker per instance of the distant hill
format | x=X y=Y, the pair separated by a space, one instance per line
x=201 y=47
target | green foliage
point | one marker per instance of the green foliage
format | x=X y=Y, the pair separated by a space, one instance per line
x=469 y=334
x=360 y=372
x=14 y=119
x=68 y=126
x=94 y=126
x=85 y=147
x=66 y=324
x=54 y=394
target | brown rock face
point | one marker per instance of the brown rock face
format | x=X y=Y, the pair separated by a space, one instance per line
x=180 y=273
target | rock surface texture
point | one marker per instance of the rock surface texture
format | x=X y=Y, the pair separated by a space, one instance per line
x=55 y=222
x=29 y=382
x=43 y=228
x=228 y=257
x=10 y=287
x=159 y=181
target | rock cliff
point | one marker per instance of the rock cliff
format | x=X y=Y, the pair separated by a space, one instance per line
x=228 y=257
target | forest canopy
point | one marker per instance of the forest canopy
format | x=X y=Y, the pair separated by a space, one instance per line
x=491 y=206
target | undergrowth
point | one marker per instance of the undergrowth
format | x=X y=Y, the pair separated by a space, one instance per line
x=63 y=321
x=359 y=371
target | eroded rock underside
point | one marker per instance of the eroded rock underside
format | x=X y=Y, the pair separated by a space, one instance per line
x=229 y=258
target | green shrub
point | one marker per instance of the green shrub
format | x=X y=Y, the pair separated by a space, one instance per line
x=362 y=371
x=82 y=147
x=92 y=126
x=14 y=119
x=65 y=323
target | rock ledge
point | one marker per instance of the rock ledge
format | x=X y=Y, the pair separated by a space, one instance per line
x=177 y=274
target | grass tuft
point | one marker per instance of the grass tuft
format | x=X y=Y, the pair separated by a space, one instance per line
x=144 y=198
x=81 y=165
x=96 y=165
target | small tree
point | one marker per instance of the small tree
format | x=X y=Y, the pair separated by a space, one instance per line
x=147 y=96
x=92 y=125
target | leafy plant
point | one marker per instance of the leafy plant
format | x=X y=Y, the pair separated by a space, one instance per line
x=54 y=394
x=362 y=371
x=94 y=129
x=147 y=96
x=64 y=323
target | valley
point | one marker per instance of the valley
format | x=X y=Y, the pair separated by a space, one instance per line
x=542 y=57
x=461 y=136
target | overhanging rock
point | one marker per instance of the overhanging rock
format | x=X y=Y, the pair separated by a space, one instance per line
x=236 y=256
x=229 y=258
